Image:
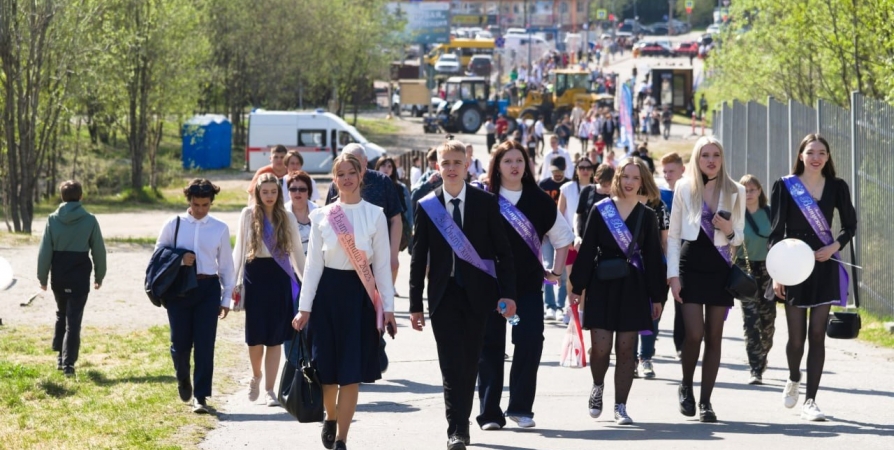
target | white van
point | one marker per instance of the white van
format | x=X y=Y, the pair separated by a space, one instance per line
x=318 y=135
x=516 y=46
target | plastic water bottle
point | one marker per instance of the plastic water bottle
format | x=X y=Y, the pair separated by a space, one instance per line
x=514 y=319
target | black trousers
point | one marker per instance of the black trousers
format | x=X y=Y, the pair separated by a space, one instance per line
x=491 y=141
x=527 y=337
x=459 y=334
x=193 y=321
x=67 y=335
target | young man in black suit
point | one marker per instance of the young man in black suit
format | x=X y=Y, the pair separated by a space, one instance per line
x=460 y=295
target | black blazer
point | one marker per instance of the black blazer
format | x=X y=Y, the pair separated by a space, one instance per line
x=483 y=226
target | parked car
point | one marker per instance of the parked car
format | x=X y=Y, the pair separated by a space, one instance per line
x=481 y=65
x=687 y=49
x=680 y=27
x=448 y=63
x=713 y=29
x=659 y=29
x=652 y=48
x=706 y=39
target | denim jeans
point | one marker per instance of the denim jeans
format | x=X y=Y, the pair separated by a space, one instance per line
x=549 y=291
x=647 y=343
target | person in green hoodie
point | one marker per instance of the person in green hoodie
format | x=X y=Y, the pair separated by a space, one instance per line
x=71 y=233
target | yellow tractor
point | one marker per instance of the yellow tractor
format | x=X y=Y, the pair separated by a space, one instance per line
x=565 y=88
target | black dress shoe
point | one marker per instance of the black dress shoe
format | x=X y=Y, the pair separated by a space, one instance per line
x=184 y=388
x=706 y=413
x=340 y=445
x=465 y=438
x=687 y=400
x=68 y=371
x=59 y=365
x=328 y=433
x=456 y=443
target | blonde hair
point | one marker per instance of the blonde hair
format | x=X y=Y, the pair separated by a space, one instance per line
x=647 y=187
x=350 y=159
x=728 y=187
x=278 y=219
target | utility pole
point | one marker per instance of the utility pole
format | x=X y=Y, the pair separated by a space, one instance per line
x=530 y=38
x=670 y=16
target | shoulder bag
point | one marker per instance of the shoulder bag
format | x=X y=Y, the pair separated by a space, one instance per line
x=741 y=283
x=753 y=223
x=846 y=324
x=615 y=268
x=300 y=390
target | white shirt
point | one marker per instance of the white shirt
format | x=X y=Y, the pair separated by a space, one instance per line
x=546 y=174
x=448 y=205
x=303 y=229
x=415 y=175
x=370 y=236
x=560 y=235
x=538 y=128
x=476 y=168
x=243 y=240
x=209 y=239
x=571 y=192
x=522 y=74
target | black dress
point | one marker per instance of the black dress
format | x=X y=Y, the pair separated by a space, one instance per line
x=622 y=304
x=703 y=272
x=821 y=287
x=588 y=197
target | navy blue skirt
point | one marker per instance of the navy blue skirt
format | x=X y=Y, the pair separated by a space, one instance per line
x=344 y=340
x=268 y=303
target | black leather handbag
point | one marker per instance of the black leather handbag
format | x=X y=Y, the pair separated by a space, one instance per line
x=846 y=324
x=741 y=284
x=616 y=268
x=300 y=390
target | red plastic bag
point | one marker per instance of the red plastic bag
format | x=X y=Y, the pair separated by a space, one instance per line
x=574 y=353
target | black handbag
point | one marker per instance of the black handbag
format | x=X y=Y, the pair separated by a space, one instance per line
x=846 y=324
x=300 y=390
x=741 y=284
x=615 y=268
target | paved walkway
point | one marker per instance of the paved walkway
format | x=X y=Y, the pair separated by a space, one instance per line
x=405 y=410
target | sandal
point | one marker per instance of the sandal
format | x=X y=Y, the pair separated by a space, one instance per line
x=328 y=433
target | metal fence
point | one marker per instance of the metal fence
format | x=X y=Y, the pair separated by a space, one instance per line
x=762 y=140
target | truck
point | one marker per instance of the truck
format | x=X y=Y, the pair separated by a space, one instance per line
x=318 y=135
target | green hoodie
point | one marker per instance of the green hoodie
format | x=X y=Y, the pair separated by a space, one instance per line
x=70 y=230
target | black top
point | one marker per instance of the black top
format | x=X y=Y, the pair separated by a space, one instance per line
x=789 y=221
x=598 y=241
x=552 y=188
x=588 y=198
x=539 y=208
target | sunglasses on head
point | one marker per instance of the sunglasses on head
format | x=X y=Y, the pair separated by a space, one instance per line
x=303 y=190
x=201 y=189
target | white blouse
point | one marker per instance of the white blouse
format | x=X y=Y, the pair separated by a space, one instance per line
x=303 y=228
x=370 y=236
x=243 y=238
x=571 y=192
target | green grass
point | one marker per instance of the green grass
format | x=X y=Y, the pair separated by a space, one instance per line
x=873 y=329
x=374 y=127
x=124 y=395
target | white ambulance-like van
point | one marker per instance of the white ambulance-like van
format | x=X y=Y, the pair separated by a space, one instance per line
x=318 y=135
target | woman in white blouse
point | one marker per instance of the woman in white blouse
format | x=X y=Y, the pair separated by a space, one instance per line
x=334 y=304
x=268 y=256
x=300 y=187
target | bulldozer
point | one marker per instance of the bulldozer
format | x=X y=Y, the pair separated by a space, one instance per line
x=569 y=87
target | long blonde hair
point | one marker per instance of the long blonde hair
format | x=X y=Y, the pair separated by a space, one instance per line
x=278 y=219
x=728 y=186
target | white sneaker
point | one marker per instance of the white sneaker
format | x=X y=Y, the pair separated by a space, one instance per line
x=271 y=399
x=621 y=417
x=812 y=412
x=790 y=394
x=648 y=369
x=490 y=426
x=560 y=316
x=254 y=389
x=550 y=314
x=566 y=315
x=595 y=402
x=524 y=422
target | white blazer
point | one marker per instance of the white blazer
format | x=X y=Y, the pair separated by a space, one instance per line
x=681 y=227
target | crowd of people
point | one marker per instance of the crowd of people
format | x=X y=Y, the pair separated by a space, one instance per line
x=491 y=243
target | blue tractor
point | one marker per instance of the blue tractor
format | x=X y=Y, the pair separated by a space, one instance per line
x=467 y=105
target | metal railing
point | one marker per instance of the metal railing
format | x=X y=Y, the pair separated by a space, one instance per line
x=762 y=139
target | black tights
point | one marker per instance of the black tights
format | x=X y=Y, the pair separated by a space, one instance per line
x=702 y=323
x=625 y=353
x=798 y=332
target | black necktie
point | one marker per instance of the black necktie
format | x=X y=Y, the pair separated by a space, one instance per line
x=458 y=218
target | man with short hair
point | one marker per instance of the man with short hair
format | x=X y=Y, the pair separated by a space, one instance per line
x=673 y=168
x=70 y=234
x=277 y=167
x=556 y=152
x=490 y=130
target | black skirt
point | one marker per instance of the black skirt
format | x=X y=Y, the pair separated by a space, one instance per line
x=618 y=305
x=344 y=340
x=703 y=273
x=269 y=306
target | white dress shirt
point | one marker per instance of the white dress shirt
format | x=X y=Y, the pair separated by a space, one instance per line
x=243 y=239
x=370 y=236
x=546 y=174
x=209 y=239
x=560 y=234
x=415 y=175
x=462 y=212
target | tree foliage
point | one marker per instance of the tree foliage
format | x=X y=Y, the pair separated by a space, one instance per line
x=806 y=50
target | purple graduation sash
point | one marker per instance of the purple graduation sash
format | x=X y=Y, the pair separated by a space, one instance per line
x=454 y=236
x=623 y=238
x=724 y=250
x=523 y=226
x=817 y=221
x=282 y=260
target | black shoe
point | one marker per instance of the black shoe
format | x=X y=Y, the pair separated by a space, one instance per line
x=465 y=438
x=59 y=365
x=706 y=413
x=383 y=357
x=687 y=401
x=68 y=371
x=199 y=406
x=184 y=388
x=328 y=433
x=456 y=443
x=340 y=445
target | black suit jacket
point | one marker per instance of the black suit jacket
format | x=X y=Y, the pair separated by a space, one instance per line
x=483 y=226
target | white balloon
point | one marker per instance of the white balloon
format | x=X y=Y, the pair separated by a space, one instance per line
x=5 y=274
x=790 y=262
